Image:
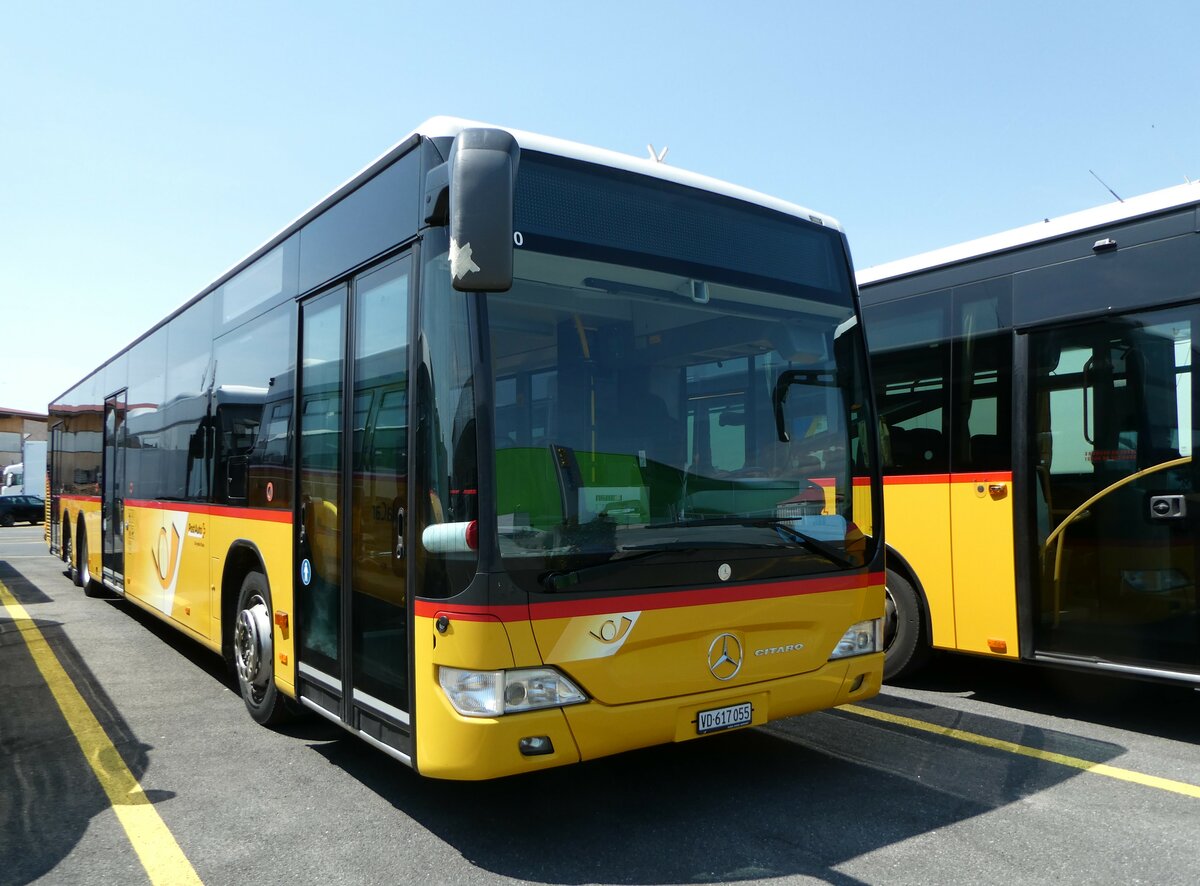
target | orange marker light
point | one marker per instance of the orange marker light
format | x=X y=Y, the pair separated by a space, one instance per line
x=997 y=645
x=281 y=621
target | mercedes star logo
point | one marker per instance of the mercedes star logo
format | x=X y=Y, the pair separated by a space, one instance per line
x=725 y=657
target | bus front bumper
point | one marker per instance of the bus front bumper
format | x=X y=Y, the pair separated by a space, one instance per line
x=455 y=747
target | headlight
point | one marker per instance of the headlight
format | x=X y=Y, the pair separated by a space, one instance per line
x=862 y=638
x=493 y=693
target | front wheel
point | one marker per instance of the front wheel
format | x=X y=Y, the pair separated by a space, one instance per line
x=254 y=653
x=7 y=520
x=905 y=646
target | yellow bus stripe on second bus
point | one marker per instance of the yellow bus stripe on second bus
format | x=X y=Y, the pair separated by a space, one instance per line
x=156 y=847
x=1153 y=781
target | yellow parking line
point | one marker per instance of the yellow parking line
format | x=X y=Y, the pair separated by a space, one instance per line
x=1153 y=781
x=160 y=855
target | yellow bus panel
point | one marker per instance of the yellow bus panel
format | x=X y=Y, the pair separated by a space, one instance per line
x=982 y=539
x=918 y=528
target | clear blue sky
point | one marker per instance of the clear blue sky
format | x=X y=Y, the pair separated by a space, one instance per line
x=147 y=147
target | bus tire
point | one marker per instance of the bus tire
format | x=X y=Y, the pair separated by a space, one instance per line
x=254 y=653
x=76 y=560
x=64 y=546
x=83 y=571
x=905 y=646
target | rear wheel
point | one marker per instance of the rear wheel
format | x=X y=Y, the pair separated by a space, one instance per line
x=905 y=646
x=254 y=653
x=83 y=569
x=78 y=558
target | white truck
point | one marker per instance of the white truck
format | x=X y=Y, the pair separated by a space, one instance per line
x=28 y=476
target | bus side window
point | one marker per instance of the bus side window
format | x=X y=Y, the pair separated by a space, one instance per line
x=910 y=358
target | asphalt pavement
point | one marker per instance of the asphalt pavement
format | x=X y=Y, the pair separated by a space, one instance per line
x=979 y=771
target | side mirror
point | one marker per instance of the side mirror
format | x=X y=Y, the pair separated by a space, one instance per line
x=483 y=172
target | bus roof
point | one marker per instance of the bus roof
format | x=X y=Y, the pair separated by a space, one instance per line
x=451 y=126
x=1051 y=228
x=446 y=128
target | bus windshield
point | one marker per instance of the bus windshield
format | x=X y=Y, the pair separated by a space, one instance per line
x=653 y=427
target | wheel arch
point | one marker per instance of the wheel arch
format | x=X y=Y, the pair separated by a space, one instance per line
x=82 y=533
x=64 y=538
x=896 y=562
x=242 y=558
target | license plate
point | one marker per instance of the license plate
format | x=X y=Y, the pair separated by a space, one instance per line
x=724 y=718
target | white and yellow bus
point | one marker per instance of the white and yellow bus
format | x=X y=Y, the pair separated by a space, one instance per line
x=1039 y=416
x=509 y=453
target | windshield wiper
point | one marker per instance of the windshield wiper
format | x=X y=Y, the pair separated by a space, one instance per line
x=817 y=546
x=561 y=581
x=826 y=550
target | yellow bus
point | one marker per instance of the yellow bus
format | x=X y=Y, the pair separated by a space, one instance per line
x=509 y=453
x=1038 y=411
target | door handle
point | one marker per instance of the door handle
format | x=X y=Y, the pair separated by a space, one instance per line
x=997 y=488
x=399 y=533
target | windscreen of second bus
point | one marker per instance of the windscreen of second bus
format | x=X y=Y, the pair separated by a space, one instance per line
x=638 y=424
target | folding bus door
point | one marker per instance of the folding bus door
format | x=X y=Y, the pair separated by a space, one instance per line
x=351 y=528
x=1118 y=511
x=113 y=502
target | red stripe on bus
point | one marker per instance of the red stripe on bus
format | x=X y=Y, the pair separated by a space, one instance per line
x=643 y=602
x=91 y=498
x=264 y=514
x=965 y=477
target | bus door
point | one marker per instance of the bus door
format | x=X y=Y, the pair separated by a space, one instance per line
x=52 y=494
x=351 y=528
x=981 y=496
x=1117 y=511
x=112 y=512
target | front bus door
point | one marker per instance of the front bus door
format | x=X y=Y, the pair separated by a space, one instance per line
x=112 y=513
x=1117 y=510
x=351 y=529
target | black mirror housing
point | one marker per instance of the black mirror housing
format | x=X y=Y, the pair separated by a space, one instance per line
x=483 y=174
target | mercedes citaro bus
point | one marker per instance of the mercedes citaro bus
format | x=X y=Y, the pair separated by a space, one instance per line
x=1039 y=416
x=509 y=453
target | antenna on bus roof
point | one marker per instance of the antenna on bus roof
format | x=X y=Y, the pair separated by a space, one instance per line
x=657 y=156
x=1106 y=187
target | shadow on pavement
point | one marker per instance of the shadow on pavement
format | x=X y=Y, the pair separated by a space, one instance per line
x=797 y=798
x=48 y=791
x=1159 y=709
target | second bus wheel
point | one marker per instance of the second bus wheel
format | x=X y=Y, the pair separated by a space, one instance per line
x=254 y=653
x=83 y=569
x=905 y=645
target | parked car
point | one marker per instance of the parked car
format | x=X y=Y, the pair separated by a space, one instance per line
x=23 y=508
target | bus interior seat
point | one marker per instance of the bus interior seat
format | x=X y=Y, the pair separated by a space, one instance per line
x=918 y=449
x=989 y=453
